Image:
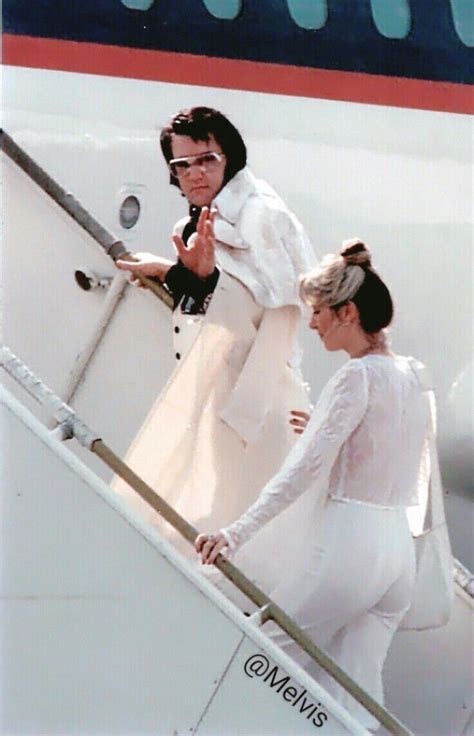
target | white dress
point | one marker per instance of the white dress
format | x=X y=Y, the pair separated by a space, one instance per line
x=360 y=457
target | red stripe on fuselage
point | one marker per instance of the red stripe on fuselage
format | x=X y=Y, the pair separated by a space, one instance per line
x=254 y=76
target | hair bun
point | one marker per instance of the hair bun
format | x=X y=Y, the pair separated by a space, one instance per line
x=356 y=253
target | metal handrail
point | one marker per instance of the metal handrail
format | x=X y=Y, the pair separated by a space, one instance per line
x=112 y=246
x=72 y=426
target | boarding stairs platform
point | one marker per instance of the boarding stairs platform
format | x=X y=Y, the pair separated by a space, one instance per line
x=106 y=629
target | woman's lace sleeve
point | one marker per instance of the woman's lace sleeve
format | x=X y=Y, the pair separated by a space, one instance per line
x=339 y=411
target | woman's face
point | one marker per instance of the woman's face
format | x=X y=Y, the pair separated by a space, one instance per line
x=327 y=324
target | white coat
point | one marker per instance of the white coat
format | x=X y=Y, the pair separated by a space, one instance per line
x=219 y=430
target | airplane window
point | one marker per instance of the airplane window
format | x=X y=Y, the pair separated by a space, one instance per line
x=311 y=14
x=463 y=16
x=392 y=19
x=138 y=4
x=129 y=212
x=224 y=9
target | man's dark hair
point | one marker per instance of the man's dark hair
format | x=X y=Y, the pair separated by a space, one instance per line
x=199 y=123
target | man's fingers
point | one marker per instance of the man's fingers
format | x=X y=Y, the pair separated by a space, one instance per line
x=205 y=225
x=201 y=223
x=136 y=269
x=179 y=243
x=128 y=265
x=209 y=233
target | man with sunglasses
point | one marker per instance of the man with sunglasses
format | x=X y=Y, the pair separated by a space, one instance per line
x=225 y=410
x=199 y=167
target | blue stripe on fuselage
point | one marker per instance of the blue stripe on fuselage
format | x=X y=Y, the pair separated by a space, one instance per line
x=264 y=31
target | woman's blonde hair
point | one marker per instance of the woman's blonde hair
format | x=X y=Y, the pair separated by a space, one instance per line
x=349 y=277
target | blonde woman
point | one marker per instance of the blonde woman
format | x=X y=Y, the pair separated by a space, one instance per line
x=360 y=455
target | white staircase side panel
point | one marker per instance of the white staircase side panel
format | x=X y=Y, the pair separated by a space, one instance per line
x=43 y=248
x=437 y=671
x=107 y=630
x=48 y=320
x=309 y=714
x=323 y=147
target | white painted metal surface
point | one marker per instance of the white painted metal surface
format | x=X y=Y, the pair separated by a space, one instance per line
x=107 y=631
x=49 y=320
x=401 y=179
x=429 y=675
x=346 y=155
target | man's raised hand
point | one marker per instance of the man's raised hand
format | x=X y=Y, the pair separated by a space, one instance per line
x=200 y=253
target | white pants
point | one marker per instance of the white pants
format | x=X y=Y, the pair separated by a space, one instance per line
x=350 y=595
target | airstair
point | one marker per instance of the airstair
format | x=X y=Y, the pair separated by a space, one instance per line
x=107 y=629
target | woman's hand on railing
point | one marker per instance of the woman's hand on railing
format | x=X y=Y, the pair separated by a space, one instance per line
x=209 y=546
x=145 y=264
x=299 y=420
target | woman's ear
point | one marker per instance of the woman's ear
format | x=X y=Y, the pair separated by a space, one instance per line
x=352 y=312
x=348 y=313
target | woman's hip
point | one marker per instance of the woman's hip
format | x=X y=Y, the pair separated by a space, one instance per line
x=366 y=535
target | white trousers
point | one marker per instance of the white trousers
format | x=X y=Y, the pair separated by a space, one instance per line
x=350 y=595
